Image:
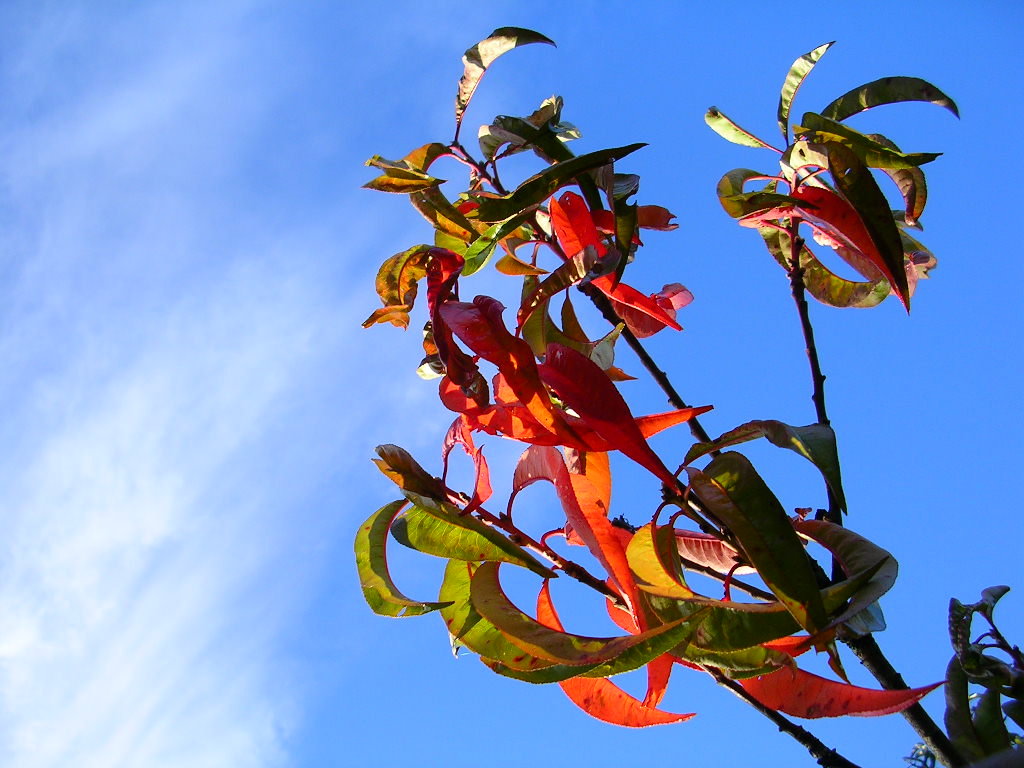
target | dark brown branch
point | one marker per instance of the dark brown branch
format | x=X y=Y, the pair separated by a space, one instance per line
x=870 y=655
x=826 y=757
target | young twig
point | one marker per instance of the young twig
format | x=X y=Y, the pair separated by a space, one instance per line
x=826 y=757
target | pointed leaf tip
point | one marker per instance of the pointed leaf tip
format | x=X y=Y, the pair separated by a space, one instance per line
x=478 y=58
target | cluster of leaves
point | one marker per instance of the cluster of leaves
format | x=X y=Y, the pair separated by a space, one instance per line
x=977 y=723
x=826 y=183
x=574 y=224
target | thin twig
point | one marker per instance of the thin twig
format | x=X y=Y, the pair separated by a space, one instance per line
x=866 y=650
x=826 y=757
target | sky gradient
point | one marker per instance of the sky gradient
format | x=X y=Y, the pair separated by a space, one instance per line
x=191 y=405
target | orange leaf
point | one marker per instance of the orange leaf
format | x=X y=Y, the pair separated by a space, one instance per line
x=587 y=516
x=585 y=388
x=795 y=692
x=600 y=697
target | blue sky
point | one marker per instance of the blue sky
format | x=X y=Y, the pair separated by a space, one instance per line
x=190 y=404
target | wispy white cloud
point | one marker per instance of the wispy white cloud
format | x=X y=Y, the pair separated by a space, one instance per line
x=153 y=347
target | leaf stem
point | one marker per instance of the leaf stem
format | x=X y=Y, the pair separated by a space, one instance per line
x=826 y=757
x=570 y=568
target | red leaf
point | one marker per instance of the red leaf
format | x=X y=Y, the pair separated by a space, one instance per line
x=459 y=434
x=600 y=697
x=832 y=217
x=655 y=217
x=656 y=422
x=584 y=508
x=658 y=673
x=480 y=327
x=706 y=550
x=574 y=225
x=802 y=694
x=642 y=314
x=585 y=388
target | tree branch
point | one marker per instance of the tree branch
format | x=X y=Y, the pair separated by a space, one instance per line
x=826 y=757
x=866 y=650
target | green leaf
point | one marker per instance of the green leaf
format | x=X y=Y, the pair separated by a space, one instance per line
x=858 y=186
x=654 y=560
x=872 y=153
x=614 y=654
x=540 y=186
x=479 y=253
x=857 y=556
x=738 y=665
x=409 y=173
x=444 y=216
x=730 y=131
x=910 y=182
x=468 y=628
x=815 y=442
x=989 y=723
x=737 y=496
x=887 y=90
x=555 y=673
x=823 y=284
x=439 y=529
x=542 y=132
x=402 y=182
x=371 y=562
x=567 y=274
x=957 y=719
x=726 y=626
x=477 y=59
x=794 y=79
x=397 y=285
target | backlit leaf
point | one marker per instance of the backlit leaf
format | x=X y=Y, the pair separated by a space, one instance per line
x=540 y=186
x=588 y=391
x=444 y=216
x=404 y=471
x=859 y=187
x=823 y=284
x=654 y=560
x=730 y=131
x=477 y=59
x=874 y=154
x=887 y=90
x=480 y=327
x=794 y=79
x=735 y=494
x=585 y=498
x=855 y=555
x=622 y=654
x=911 y=183
x=468 y=628
x=567 y=274
x=815 y=442
x=510 y=265
x=795 y=692
x=600 y=697
x=396 y=285
x=371 y=562
x=439 y=529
